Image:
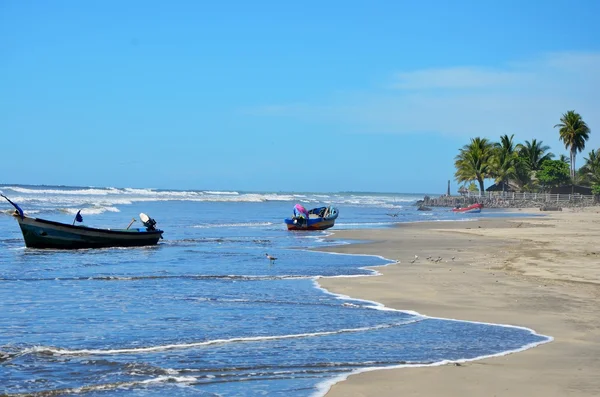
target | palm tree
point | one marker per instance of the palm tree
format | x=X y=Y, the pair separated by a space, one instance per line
x=473 y=161
x=564 y=159
x=534 y=153
x=523 y=174
x=573 y=132
x=590 y=172
x=503 y=160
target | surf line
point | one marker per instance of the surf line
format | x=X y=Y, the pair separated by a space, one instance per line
x=151 y=349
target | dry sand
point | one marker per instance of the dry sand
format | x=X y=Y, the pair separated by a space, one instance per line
x=541 y=273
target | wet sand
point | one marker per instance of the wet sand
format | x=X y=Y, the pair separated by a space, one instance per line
x=541 y=273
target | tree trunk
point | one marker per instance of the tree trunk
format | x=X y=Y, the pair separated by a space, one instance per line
x=573 y=165
x=573 y=154
x=480 y=180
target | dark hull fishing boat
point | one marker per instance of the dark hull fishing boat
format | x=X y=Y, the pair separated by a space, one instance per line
x=41 y=233
x=319 y=218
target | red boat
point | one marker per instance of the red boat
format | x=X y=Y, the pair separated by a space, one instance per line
x=472 y=209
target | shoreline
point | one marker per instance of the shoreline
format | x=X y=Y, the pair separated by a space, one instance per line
x=540 y=273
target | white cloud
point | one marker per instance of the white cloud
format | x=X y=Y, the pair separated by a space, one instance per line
x=526 y=98
x=456 y=78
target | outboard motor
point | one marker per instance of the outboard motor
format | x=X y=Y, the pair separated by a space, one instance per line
x=148 y=222
x=299 y=220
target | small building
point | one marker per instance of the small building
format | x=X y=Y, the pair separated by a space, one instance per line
x=501 y=187
x=572 y=189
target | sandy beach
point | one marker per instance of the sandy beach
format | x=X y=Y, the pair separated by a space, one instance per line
x=541 y=273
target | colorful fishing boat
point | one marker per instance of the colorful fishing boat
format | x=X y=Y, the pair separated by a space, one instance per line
x=319 y=218
x=42 y=233
x=471 y=209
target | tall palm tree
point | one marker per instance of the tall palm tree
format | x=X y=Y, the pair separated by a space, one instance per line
x=503 y=160
x=573 y=132
x=535 y=153
x=473 y=161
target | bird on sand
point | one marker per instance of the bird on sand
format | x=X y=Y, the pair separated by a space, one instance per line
x=270 y=258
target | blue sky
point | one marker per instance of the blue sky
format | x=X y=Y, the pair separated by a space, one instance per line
x=284 y=96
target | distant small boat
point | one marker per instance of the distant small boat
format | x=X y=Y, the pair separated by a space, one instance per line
x=42 y=233
x=472 y=209
x=319 y=218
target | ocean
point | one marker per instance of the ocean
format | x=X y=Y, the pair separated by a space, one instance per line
x=205 y=313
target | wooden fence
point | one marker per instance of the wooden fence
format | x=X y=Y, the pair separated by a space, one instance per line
x=538 y=197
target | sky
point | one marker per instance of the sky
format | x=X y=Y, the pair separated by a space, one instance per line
x=285 y=96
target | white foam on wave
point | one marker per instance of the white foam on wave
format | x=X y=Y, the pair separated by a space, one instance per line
x=69 y=192
x=169 y=379
x=223 y=193
x=113 y=196
x=176 y=346
x=163 y=379
x=12 y=211
x=89 y=211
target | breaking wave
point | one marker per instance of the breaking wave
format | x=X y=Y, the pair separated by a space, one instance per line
x=109 y=196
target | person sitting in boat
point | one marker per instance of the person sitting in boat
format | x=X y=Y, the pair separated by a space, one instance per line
x=300 y=211
x=300 y=214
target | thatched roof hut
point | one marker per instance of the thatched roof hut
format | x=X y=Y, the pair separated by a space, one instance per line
x=502 y=187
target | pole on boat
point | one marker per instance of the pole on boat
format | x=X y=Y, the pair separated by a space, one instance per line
x=19 y=210
x=78 y=217
x=130 y=223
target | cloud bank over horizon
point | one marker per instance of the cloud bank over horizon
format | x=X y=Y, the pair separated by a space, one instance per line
x=521 y=97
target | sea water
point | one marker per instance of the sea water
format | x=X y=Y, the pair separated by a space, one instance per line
x=204 y=312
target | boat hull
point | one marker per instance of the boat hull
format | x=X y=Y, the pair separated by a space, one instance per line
x=41 y=233
x=318 y=225
x=472 y=209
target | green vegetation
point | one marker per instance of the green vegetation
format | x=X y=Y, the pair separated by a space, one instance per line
x=529 y=166
x=590 y=172
x=553 y=173
x=473 y=188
